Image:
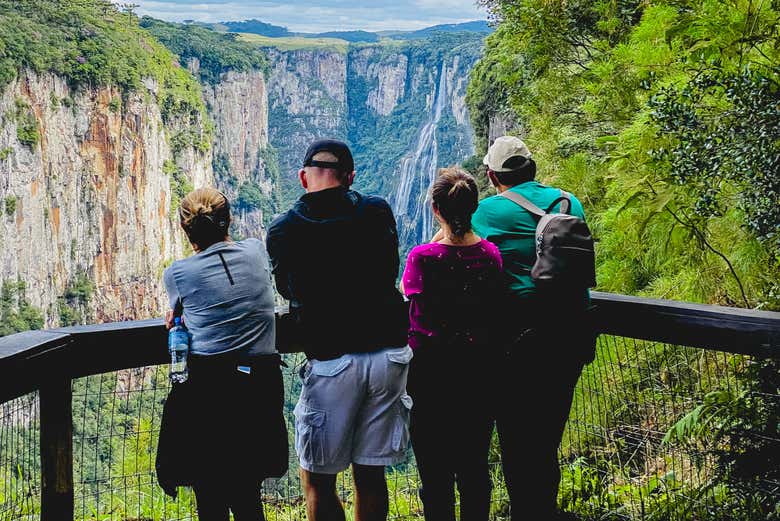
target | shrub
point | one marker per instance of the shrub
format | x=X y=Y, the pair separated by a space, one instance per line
x=115 y=105
x=16 y=312
x=26 y=124
x=179 y=182
x=10 y=205
x=250 y=197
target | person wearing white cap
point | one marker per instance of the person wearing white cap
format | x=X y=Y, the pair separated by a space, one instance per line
x=544 y=337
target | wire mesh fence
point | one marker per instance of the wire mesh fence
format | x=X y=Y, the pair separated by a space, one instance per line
x=658 y=431
x=20 y=482
x=650 y=435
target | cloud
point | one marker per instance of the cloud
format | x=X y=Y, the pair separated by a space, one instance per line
x=311 y=16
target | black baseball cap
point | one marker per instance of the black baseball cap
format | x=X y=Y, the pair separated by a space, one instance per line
x=339 y=149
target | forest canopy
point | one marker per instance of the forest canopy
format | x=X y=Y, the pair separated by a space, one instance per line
x=92 y=42
x=664 y=118
x=216 y=52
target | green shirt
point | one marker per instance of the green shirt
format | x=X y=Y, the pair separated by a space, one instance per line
x=513 y=230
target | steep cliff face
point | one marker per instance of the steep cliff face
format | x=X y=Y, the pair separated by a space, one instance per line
x=89 y=185
x=307 y=99
x=401 y=106
x=244 y=166
x=385 y=72
x=444 y=138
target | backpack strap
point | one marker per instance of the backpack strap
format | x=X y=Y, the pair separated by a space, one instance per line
x=565 y=200
x=523 y=202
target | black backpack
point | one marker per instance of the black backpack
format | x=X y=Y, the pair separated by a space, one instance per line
x=565 y=257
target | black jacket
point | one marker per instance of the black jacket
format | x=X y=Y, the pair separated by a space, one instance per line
x=335 y=258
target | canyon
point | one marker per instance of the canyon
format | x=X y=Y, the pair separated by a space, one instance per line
x=88 y=204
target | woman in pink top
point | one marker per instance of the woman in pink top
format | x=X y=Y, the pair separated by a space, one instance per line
x=455 y=285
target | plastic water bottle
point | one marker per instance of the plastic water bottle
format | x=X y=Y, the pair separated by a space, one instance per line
x=178 y=347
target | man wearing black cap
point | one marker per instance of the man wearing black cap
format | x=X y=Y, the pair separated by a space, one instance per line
x=335 y=258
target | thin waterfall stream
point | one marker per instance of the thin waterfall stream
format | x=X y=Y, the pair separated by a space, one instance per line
x=418 y=171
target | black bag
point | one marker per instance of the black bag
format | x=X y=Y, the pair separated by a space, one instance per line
x=224 y=425
x=565 y=256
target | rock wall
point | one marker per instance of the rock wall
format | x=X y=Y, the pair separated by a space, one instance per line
x=401 y=108
x=307 y=99
x=238 y=105
x=89 y=177
x=90 y=198
x=386 y=72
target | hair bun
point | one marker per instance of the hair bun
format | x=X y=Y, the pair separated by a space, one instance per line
x=205 y=215
x=455 y=195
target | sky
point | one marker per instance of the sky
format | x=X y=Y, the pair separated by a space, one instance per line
x=318 y=16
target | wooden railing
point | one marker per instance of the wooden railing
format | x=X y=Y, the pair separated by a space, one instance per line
x=48 y=361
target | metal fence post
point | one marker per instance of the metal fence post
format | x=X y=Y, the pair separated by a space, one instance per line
x=56 y=399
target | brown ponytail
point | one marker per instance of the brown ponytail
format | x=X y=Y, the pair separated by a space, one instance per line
x=455 y=195
x=205 y=216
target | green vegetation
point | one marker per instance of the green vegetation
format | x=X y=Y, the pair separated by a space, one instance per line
x=350 y=36
x=273 y=173
x=115 y=105
x=73 y=304
x=180 y=185
x=16 y=312
x=216 y=53
x=198 y=138
x=663 y=119
x=664 y=124
x=10 y=205
x=250 y=197
x=92 y=42
x=256 y=27
x=26 y=124
x=477 y=26
x=221 y=166
x=4 y=153
x=295 y=43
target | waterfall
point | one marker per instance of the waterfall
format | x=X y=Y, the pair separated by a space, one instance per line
x=418 y=171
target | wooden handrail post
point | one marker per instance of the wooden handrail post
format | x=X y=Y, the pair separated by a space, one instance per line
x=56 y=399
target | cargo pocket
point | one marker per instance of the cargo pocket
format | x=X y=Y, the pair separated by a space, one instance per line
x=310 y=434
x=330 y=368
x=401 y=356
x=313 y=369
x=401 y=429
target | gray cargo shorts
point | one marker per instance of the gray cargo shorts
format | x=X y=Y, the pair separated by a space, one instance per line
x=353 y=409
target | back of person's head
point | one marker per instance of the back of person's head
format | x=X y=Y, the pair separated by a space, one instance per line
x=331 y=161
x=509 y=161
x=455 y=196
x=205 y=217
x=328 y=157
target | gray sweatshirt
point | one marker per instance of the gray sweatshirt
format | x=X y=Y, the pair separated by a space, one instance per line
x=226 y=297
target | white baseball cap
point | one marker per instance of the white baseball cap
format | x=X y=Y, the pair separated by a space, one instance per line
x=505 y=154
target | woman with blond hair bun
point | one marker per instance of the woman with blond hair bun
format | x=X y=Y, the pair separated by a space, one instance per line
x=223 y=430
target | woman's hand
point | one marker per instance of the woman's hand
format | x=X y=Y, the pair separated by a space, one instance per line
x=169 y=318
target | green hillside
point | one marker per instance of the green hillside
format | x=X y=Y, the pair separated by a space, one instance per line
x=663 y=119
x=91 y=42
x=216 y=52
x=295 y=43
